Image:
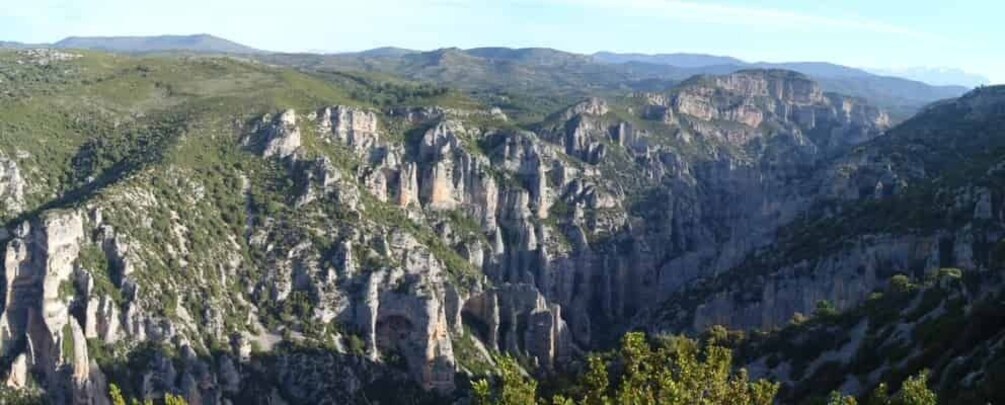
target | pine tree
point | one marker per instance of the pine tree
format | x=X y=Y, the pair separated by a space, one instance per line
x=116 y=395
x=837 y=399
x=596 y=381
x=879 y=396
x=915 y=391
x=482 y=392
x=171 y=399
x=517 y=389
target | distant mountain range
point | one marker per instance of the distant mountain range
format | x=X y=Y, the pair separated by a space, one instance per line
x=200 y=43
x=690 y=60
x=933 y=76
x=17 y=45
x=687 y=60
x=558 y=72
x=390 y=226
x=936 y=76
x=890 y=90
x=546 y=68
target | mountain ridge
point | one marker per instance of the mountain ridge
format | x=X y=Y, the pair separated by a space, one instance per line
x=321 y=228
x=573 y=75
x=936 y=75
x=199 y=43
x=206 y=43
x=817 y=68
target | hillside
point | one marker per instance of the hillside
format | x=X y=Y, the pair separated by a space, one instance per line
x=684 y=60
x=388 y=227
x=903 y=97
x=552 y=77
x=551 y=74
x=201 y=43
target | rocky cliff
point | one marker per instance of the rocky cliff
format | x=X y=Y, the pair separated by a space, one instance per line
x=900 y=204
x=251 y=232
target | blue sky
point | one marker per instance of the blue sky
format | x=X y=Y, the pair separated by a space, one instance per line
x=864 y=33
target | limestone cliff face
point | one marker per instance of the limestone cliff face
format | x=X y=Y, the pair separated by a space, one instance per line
x=768 y=297
x=776 y=99
x=446 y=174
x=441 y=187
x=712 y=211
x=36 y=327
x=355 y=127
x=398 y=318
x=12 y=186
x=870 y=224
x=414 y=242
x=282 y=135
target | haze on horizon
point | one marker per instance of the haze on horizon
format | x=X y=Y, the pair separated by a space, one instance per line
x=879 y=36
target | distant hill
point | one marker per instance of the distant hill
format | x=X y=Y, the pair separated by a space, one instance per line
x=936 y=76
x=819 y=69
x=697 y=60
x=571 y=75
x=684 y=60
x=14 y=45
x=542 y=70
x=201 y=43
x=538 y=56
x=900 y=95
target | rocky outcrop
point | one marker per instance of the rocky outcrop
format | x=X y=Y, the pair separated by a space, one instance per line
x=319 y=179
x=581 y=129
x=408 y=185
x=592 y=106
x=779 y=99
x=398 y=320
x=518 y=319
x=453 y=177
x=354 y=127
x=12 y=187
x=399 y=235
x=36 y=327
x=282 y=136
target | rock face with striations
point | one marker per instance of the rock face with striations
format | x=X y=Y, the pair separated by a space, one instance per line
x=347 y=246
x=352 y=126
x=398 y=320
x=282 y=136
x=778 y=99
x=11 y=186
x=854 y=252
x=35 y=326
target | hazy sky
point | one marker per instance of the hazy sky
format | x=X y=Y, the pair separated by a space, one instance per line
x=864 y=33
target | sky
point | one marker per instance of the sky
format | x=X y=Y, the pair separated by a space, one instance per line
x=884 y=34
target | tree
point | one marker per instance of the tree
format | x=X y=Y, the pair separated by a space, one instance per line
x=596 y=382
x=825 y=309
x=674 y=371
x=836 y=398
x=915 y=391
x=635 y=353
x=678 y=371
x=482 y=392
x=763 y=392
x=900 y=284
x=116 y=395
x=20 y=396
x=171 y=399
x=117 y=398
x=879 y=396
x=562 y=400
x=516 y=389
